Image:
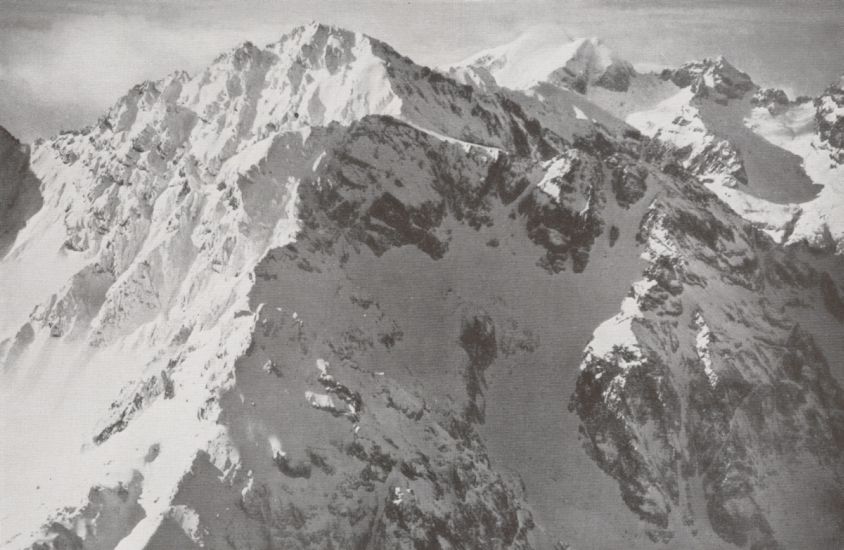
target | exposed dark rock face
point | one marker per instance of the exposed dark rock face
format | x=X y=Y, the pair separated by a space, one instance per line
x=400 y=228
x=628 y=184
x=109 y=515
x=722 y=415
x=647 y=481
x=131 y=402
x=408 y=476
x=614 y=232
x=832 y=297
x=345 y=204
x=477 y=337
x=769 y=97
x=830 y=121
x=20 y=196
x=719 y=157
x=466 y=188
x=562 y=233
x=713 y=78
x=773 y=99
x=616 y=77
x=776 y=414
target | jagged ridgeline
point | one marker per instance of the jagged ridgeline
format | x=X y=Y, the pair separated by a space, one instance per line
x=320 y=296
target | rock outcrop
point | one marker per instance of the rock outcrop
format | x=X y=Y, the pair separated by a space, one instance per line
x=20 y=196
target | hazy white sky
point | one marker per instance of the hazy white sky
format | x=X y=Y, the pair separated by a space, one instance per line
x=63 y=63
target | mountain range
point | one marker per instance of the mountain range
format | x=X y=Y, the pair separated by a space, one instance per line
x=318 y=295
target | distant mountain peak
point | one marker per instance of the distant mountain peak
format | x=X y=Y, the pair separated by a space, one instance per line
x=316 y=37
x=532 y=58
x=713 y=77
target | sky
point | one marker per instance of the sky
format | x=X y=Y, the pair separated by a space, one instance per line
x=63 y=63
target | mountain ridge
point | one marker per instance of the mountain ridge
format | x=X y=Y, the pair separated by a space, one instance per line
x=775 y=166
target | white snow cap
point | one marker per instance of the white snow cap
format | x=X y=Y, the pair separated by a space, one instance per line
x=533 y=57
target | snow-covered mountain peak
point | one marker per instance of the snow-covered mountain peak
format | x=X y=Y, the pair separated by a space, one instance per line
x=313 y=76
x=239 y=55
x=532 y=59
x=714 y=78
x=475 y=76
x=593 y=63
x=317 y=45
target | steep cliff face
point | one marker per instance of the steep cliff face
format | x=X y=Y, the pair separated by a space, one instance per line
x=697 y=420
x=20 y=196
x=829 y=117
x=711 y=78
x=318 y=296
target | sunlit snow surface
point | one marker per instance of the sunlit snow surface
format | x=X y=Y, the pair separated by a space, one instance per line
x=182 y=264
x=615 y=339
x=62 y=388
x=794 y=131
x=531 y=58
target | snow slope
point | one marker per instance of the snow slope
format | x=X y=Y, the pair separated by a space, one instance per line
x=766 y=160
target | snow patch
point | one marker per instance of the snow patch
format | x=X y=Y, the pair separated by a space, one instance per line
x=322 y=366
x=275 y=446
x=318 y=161
x=702 y=343
x=319 y=400
x=554 y=171
x=617 y=334
x=578 y=114
x=465 y=145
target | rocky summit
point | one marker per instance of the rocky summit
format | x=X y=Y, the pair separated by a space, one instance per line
x=320 y=296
